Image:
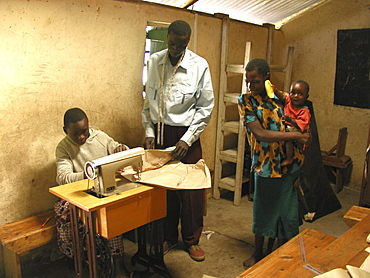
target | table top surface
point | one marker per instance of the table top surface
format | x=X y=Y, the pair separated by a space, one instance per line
x=348 y=249
x=324 y=253
x=77 y=194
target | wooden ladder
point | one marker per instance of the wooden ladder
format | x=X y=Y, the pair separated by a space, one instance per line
x=235 y=154
x=226 y=179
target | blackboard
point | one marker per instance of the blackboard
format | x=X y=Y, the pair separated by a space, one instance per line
x=352 y=84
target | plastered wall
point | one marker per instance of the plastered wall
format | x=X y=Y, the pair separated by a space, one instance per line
x=89 y=54
x=314 y=36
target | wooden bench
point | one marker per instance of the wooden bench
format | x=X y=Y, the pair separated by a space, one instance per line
x=355 y=215
x=21 y=236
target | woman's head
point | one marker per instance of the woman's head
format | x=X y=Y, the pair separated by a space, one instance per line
x=257 y=72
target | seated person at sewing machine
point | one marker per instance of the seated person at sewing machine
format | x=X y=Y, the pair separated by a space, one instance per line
x=81 y=144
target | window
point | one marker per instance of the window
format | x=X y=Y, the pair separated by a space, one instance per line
x=156 y=40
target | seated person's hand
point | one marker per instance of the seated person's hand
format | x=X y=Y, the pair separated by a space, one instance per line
x=120 y=148
x=119 y=173
x=149 y=143
x=180 y=151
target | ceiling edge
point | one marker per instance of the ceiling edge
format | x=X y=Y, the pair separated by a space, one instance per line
x=284 y=21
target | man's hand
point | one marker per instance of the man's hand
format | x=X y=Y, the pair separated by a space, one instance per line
x=180 y=151
x=120 y=148
x=149 y=143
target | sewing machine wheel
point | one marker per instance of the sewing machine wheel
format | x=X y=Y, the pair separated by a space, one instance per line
x=104 y=259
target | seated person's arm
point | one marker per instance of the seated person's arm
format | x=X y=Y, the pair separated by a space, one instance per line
x=112 y=145
x=65 y=172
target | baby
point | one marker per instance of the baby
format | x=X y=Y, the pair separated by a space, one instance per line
x=296 y=114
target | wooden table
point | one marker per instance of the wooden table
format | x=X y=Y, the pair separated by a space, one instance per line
x=323 y=252
x=109 y=216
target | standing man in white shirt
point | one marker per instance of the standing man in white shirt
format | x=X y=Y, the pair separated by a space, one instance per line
x=177 y=108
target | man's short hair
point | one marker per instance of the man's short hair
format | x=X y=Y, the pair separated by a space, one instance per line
x=74 y=115
x=180 y=28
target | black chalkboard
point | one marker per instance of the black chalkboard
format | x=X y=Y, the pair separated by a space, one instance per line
x=352 y=83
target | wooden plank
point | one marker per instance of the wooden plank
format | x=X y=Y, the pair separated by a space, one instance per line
x=277 y=68
x=333 y=161
x=288 y=69
x=144 y=208
x=229 y=155
x=26 y=234
x=287 y=258
x=39 y=238
x=354 y=215
x=221 y=105
x=347 y=249
x=12 y=264
x=15 y=230
x=231 y=97
x=231 y=126
x=76 y=193
x=235 y=68
x=270 y=42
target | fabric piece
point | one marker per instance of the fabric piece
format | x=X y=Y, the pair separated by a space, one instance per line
x=156 y=158
x=318 y=195
x=172 y=174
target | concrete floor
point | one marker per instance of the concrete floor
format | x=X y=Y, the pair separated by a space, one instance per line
x=227 y=241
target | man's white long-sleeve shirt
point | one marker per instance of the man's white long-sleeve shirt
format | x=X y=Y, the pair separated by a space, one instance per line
x=190 y=101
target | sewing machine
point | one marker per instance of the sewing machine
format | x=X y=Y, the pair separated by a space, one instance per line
x=103 y=171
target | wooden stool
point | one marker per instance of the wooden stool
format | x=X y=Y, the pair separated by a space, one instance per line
x=336 y=160
x=19 y=237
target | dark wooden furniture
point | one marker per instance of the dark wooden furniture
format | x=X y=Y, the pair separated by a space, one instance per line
x=336 y=160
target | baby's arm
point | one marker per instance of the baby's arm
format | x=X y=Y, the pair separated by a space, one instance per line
x=280 y=94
